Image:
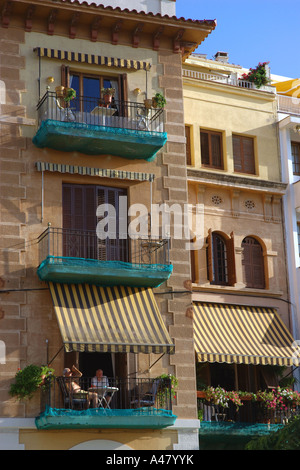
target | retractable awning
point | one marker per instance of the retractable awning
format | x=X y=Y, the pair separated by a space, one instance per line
x=93 y=59
x=242 y=335
x=109 y=319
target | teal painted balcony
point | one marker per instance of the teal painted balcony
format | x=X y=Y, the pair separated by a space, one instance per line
x=77 y=256
x=125 y=404
x=125 y=129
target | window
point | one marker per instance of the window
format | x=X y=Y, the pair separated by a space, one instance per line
x=188 y=148
x=243 y=154
x=253 y=263
x=88 y=87
x=220 y=259
x=80 y=204
x=296 y=157
x=211 y=149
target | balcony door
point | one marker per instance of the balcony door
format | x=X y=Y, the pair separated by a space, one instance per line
x=80 y=221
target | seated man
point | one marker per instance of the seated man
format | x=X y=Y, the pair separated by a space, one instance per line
x=101 y=381
x=73 y=387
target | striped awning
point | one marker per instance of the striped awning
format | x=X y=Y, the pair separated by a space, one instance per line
x=87 y=171
x=242 y=335
x=92 y=59
x=109 y=319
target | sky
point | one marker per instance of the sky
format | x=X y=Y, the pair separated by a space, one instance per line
x=251 y=31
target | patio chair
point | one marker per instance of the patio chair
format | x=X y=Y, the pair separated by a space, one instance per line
x=148 y=398
x=72 y=400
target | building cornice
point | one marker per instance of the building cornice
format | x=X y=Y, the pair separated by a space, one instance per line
x=235 y=182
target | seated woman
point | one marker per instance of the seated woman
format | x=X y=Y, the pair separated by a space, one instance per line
x=74 y=388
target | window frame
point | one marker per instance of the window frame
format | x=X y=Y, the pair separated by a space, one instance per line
x=243 y=169
x=248 y=268
x=296 y=164
x=228 y=262
x=211 y=133
x=188 y=145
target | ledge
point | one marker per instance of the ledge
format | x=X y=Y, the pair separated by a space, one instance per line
x=236 y=182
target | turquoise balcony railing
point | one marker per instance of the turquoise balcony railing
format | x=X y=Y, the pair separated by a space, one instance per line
x=76 y=256
x=124 y=129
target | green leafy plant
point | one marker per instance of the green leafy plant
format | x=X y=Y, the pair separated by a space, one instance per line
x=287 y=438
x=167 y=388
x=158 y=100
x=258 y=76
x=70 y=95
x=28 y=380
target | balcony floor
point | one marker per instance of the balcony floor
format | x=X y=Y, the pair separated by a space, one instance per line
x=99 y=140
x=106 y=273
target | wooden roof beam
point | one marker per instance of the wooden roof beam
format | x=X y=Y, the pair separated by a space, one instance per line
x=6 y=13
x=29 y=18
x=51 y=21
x=73 y=25
x=95 y=26
x=156 y=37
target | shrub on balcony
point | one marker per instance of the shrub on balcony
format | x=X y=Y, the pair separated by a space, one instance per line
x=28 y=380
x=258 y=76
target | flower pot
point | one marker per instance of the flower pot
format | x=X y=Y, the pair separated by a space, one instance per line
x=148 y=103
x=60 y=91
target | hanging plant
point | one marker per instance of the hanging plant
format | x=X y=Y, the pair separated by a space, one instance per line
x=167 y=388
x=28 y=380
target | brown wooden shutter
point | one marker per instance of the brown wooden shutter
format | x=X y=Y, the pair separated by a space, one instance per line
x=204 y=142
x=123 y=86
x=65 y=75
x=231 y=260
x=216 y=150
x=253 y=264
x=248 y=155
x=210 y=273
x=188 y=145
x=237 y=153
x=243 y=154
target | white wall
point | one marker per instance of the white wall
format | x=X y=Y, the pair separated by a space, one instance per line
x=164 y=7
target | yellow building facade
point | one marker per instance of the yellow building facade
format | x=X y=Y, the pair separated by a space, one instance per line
x=238 y=264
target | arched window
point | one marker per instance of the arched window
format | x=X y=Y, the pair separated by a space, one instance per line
x=220 y=259
x=253 y=263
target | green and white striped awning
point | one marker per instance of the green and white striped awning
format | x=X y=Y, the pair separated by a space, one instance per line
x=88 y=171
x=92 y=59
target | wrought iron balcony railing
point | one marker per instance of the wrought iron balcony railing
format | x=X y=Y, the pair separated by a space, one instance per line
x=84 y=244
x=120 y=394
x=88 y=111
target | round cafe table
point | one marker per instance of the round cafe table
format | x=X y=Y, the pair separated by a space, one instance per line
x=102 y=392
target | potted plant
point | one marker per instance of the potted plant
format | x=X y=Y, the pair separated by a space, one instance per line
x=108 y=94
x=60 y=91
x=148 y=103
x=158 y=100
x=28 y=380
x=70 y=94
x=258 y=76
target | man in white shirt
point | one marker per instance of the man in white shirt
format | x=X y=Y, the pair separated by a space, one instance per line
x=101 y=381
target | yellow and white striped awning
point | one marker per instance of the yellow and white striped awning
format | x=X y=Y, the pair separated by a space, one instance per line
x=92 y=59
x=109 y=319
x=88 y=171
x=242 y=335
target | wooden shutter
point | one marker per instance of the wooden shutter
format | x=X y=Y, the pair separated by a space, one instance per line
x=216 y=150
x=65 y=75
x=237 y=153
x=210 y=273
x=204 y=141
x=253 y=264
x=248 y=155
x=231 y=260
x=188 y=145
x=243 y=154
